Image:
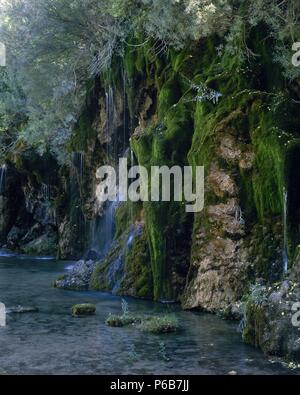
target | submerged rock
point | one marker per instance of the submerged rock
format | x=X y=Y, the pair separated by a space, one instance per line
x=83 y=309
x=21 y=310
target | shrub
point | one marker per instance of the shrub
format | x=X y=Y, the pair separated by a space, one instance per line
x=153 y=324
x=160 y=324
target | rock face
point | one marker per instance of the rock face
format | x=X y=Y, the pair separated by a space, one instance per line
x=272 y=320
x=28 y=223
x=44 y=245
x=219 y=270
x=248 y=142
x=126 y=268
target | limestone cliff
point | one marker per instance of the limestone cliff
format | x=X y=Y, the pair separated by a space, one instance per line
x=190 y=107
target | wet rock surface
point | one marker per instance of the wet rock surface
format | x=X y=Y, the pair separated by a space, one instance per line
x=272 y=319
x=83 y=309
x=78 y=278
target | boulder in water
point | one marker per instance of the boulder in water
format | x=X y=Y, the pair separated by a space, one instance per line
x=78 y=278
x=83 y=309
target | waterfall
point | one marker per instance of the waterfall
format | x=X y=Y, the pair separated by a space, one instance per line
x=111 y=139
x=116 y=270
x=285 y=236
x=131 y=164
x=46 y=195
x=102 y=227
x=124 y=111
x=78 y=164
x=77 y=185
x=3 y=171
x=109 y=95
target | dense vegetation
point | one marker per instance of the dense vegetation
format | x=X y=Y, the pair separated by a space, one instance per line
x=54 y=47
x=165 y=82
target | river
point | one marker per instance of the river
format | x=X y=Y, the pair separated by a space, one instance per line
x=51 y=341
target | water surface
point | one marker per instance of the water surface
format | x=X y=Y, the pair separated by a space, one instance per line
x=53 y=342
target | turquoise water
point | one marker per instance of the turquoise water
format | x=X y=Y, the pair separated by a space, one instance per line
x=53 y=342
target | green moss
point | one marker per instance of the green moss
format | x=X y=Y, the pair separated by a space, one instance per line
x=126 y=215
x=83 y=133
x=44 y=245
x=160 y=324
x=138 y=279
x=152 y=324
x=167 y=142
x=258 y=120
x=256 y=323
x=119 y=321
x=157 y=147
x=98 y=280
x=184 y=129
x=169 y=95
x=83 y=309
x=268 y=180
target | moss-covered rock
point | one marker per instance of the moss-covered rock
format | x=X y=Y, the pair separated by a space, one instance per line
x=160 y=324
x=44 y=245
x=138 y=275
x=119 y=321
x=270 y=321
x=83 y=309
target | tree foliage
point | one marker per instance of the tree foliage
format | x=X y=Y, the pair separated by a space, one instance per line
x=55 y=46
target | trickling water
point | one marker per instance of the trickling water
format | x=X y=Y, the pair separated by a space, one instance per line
x=109 y=120
x=76 y=193
x=131 y=157
x=103 y=227
x=3 y=171
x=46 y=196
x=78 y=164
x=110 y=210
x=285 y=253
x=102 y=232
x=116 y=269
x=46 y=193
x=131 y=164
x=124 y=111
x=239 y=216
